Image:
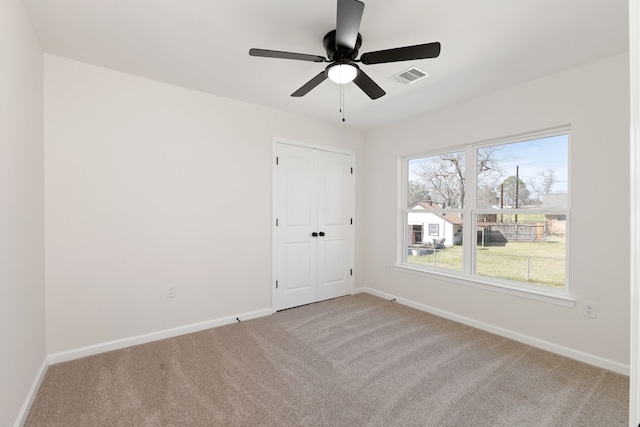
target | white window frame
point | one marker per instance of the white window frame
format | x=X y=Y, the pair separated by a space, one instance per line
x=467 y=277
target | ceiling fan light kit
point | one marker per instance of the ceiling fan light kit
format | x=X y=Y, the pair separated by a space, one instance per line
x=342 y=73
x=342 y=46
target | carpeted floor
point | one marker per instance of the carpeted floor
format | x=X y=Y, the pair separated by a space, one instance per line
x=353 y=361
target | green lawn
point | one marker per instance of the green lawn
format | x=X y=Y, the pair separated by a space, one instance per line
x=450 y=258
x=541 y=263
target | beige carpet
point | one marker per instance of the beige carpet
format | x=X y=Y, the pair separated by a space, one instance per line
x=353 y=361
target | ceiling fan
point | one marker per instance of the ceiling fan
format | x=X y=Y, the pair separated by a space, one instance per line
x=342 y=46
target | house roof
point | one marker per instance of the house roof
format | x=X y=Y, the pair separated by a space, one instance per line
x=449 y=217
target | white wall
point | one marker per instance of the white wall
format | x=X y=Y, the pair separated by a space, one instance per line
x=594 y=100
x=22 y=326
x=149 y=184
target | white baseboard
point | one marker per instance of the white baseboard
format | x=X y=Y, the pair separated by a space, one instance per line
x=31 y=395
x=65 y=356
x=591 y=359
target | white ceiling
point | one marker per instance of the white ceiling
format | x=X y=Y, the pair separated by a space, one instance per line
x=203 y=45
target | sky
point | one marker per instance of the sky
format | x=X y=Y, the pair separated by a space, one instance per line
x=538 y=155
x=532 y=157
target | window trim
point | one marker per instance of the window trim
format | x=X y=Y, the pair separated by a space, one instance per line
x=544 y=295
x=467 y=276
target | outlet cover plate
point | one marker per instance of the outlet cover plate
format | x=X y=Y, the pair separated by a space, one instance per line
x=170 y=290
x=589 y=309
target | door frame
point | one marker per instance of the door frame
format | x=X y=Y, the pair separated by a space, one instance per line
x=274 y=259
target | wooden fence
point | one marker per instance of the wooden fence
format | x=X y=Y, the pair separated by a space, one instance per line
x=503 y=233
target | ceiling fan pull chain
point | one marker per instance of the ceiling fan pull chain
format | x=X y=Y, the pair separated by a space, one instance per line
x=342 y=101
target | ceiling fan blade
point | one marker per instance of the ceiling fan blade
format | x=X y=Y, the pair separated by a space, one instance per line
x=348 y=23
x=420 y=51
x=286 y=55
x=368 y=86
x=306 y=88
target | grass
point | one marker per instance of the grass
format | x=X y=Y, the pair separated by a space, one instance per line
x=450 y=258
x=541 y=263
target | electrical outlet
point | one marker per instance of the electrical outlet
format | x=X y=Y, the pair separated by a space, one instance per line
x=589 y=309
x=170 y=291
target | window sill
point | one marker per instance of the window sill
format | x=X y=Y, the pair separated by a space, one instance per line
x=560 y=298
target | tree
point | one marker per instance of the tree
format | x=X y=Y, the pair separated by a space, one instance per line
x=543 y=184
x=513 y=199
x=443 y=177
x=548 y=180
x=489 y=166
x=487 y=196
x=417 y=192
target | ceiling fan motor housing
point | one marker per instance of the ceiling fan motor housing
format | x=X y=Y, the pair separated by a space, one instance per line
x=337 y=54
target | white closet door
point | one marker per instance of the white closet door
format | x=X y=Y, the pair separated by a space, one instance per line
x=313 y=242
x=335 y=243
x=296 y=249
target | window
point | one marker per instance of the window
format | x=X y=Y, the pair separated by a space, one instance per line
x=502 y=221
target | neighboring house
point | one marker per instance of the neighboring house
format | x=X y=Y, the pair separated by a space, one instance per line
x=427 y=226
x=556 y=224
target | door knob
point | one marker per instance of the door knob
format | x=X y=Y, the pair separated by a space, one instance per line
x=314 y=234
x=322 y=233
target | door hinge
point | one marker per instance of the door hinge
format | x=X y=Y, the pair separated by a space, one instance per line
x=276 y=284
x=351 y=221
x=352 y=271
x=351 y=171
x=276 y=160
x=276 y=222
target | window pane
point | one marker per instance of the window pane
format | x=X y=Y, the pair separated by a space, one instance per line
x=525 y=248
x=437 y=181
x=434 y=239
x=523 y=175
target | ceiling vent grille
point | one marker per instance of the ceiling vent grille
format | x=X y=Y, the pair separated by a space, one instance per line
x=409 y=76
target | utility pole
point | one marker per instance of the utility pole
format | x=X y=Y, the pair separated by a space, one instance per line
x=501 y=201
x=517 y=188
